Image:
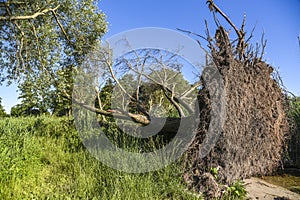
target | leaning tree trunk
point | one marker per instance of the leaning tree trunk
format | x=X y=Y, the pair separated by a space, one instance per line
x=252 y=139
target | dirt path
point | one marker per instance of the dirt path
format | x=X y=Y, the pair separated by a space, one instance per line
x=259 y=189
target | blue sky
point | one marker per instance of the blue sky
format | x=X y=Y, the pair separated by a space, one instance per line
x=278 y=19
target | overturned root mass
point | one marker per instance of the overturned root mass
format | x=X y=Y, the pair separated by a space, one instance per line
x=253 y=137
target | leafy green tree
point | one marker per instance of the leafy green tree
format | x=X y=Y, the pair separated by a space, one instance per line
x=33 y=102
x=46 y=41
x=2 y=111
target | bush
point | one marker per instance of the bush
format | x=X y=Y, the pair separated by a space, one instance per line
x=294 y=144
x=295 y=113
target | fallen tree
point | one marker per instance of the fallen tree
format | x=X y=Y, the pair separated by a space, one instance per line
x=247 y=141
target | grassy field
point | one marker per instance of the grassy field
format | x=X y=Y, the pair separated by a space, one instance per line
x=43 y=158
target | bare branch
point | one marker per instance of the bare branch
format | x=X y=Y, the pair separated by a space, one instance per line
x=172 y=77
x=166 y=90
x=139 y=81
x=117 y=81
x=144 y=66
x=18 y=51
x=60 y=25
x=214 y=7
x=26 y=17
x=175 y=104
x=190 y=90
x=206 y=52
x=141 y=119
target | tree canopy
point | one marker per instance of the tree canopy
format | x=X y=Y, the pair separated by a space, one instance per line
x=39 y=36
x=44 y=41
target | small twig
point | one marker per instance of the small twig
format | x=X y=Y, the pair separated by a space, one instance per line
x=263 y=46
x=251 y=35
x=192 y=33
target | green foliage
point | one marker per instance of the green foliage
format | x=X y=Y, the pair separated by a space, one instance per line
x=292 y=156
x=42 y=53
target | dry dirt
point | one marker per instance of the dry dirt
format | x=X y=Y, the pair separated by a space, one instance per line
x=260 y=189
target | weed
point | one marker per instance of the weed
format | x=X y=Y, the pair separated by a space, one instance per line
x=236 y=191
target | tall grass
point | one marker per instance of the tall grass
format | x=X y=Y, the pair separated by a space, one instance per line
x=43 y=158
